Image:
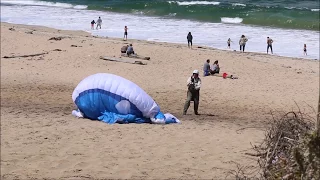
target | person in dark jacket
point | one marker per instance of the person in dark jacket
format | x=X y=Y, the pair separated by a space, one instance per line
x=194 y=84
x=92 y=24
x=189 y=38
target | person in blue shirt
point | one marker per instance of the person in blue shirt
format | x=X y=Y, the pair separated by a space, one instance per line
x=130 y=50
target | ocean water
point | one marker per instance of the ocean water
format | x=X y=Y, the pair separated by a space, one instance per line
x=211 y=22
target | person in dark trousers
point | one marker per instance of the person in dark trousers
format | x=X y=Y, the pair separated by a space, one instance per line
x=305 y=49
x=125 y=36
x=130 y=50
x=92 y=24
x=206 y=68
x=242 y=42
x=269 y=43
x=193 y=93
x=189 y=38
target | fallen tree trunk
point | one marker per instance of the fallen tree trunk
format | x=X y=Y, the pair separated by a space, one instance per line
x=135 y=56
x=122 y=60
x=30 y=55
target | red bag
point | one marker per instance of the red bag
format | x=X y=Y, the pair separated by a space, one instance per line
x=224 y=75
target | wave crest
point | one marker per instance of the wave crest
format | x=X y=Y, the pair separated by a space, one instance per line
x=238 y=4
x=235 y=20
x=187 y=3
x=43 y=3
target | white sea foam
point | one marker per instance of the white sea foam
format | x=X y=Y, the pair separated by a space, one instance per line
x=42 y=3
x=238 y=4
x=231 y=20
x=187 y=3
x=315 y=9
x=287 y=42
x=289 y=7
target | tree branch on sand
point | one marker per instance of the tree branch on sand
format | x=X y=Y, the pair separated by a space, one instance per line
x=290 y=149
x=30 y=55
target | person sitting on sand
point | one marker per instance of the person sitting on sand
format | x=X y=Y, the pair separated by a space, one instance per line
x=206 y=68
x=242 y=42
x=92 y=24
x=124 y=49
x=215 y=69
x=130 y=50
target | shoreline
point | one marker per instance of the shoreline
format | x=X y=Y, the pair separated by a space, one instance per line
x=203 y=47
x=41 y=139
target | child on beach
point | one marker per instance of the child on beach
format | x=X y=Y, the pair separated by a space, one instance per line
x=125 y=32
x=92 y=24
x=269 y=43
x=99 y=22
x=228 y=42
x=305 y=49
x=189 y=38
x=242 y=42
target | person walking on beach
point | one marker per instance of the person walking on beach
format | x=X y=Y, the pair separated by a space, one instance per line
x=189 y=38
x=99 y=22
x=305 y=49
x=242 y=42
x=194 y=84
x=229 y=42
x=92 y=24
x=125 y=32
x=269 y=43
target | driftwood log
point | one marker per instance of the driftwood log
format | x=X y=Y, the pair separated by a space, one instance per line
x=122 y=60
x=30 y=55
x=135 y=56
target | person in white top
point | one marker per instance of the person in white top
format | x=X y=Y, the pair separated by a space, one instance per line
x=242 y=42
x=194 y=84
x=99 y=22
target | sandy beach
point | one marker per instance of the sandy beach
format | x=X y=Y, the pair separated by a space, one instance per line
x=41 y=139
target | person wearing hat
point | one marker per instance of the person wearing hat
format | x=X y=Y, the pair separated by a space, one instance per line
x=194 y=84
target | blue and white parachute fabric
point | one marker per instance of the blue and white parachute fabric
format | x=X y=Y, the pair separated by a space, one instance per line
x=113 y=99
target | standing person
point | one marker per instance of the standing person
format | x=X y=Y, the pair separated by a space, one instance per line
x=92 y=24
x=189 y=38
x=305 y=49
x=99 y=22
x=229 y=42
x=194 y=84
x=125 y=32
x=206 y=68
x=269 y=43
x=242 y=42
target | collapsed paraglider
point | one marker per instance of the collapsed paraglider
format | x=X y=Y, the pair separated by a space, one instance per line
x=113 y=99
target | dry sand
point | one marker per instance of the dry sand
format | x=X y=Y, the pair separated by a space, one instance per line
x=41 y=139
